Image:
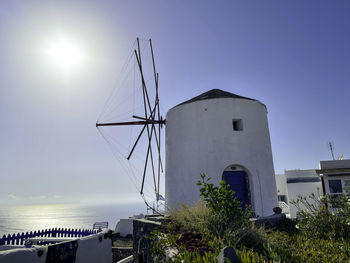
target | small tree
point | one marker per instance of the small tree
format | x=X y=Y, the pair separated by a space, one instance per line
x=229 y=215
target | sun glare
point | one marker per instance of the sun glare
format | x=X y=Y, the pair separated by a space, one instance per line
x=64 y=53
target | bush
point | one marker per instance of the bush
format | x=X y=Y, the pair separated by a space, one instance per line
x=323 y=236
x=221 y=216
x=228 y=213
x=300 y=248
x=192 y=218
x=250 y=256
x=317 y=218
x=254 y=238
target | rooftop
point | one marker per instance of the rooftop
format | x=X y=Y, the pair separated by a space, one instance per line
x=215 y=94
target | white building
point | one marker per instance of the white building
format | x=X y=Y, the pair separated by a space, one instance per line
x=336 y=176
x=303 y=183
x=282 y=193
x=225 y=136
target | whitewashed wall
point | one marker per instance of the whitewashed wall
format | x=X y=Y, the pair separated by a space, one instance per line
x=282 y=190
x=90 y=250
x=95 y=248
x=200 y=139
x=281 y=183
x=19 y=255
x=304 y=189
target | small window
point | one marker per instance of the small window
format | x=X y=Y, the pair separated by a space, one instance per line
x=237 y=124
x=335 y=186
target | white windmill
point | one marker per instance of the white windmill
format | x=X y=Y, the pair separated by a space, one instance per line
x=223 y=135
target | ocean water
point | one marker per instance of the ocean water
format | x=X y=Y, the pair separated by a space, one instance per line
x=17 y=219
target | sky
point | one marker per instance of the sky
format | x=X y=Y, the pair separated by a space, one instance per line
x=294 y=56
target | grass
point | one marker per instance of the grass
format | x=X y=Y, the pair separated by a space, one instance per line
x=192 y=218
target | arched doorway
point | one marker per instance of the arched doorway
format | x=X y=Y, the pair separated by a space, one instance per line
x=238 y=180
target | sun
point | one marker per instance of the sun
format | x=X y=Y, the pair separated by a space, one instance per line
x=64 y=53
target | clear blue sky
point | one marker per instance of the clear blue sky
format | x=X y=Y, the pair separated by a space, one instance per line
x=294 y=56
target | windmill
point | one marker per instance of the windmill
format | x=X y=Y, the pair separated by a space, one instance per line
x=151 y=122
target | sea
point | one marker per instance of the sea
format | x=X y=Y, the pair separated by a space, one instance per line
x=18 y=219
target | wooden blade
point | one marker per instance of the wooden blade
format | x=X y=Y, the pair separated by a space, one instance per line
x=153 y=173
x=156 y=79
x=140 y=118
x=137 y=140
x=144 y=171
x=145 y=96
x=160 y=165
x=149 y=153
x=139 y=63
x=154 y=70
x=147 y=121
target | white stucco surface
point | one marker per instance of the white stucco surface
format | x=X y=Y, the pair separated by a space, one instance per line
x=305 y=189
x=19 y=255
x=282 y=190
x=281 y=183
x=90 y=250
x=9 y=247
x=200 y=139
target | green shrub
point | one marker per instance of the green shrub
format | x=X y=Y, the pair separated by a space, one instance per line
x=316 y=219
x=286 y=225
x=322 y=235
x=192 y=218
x=160 y=241
x=221 y=217
x=228 y=214
x=250 y=256
x=193 y=257
x=222 y=200
x=254 y=238
x=300 y=248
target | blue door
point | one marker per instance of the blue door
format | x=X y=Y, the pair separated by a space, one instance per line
x=237 y=182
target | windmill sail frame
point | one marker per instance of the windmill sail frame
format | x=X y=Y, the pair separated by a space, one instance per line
x=151 y=119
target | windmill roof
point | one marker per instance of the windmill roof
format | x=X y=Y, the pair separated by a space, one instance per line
x=215 y=94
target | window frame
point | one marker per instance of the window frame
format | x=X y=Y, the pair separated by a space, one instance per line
x=237 y=124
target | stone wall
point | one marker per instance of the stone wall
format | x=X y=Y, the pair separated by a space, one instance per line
x=143 y=228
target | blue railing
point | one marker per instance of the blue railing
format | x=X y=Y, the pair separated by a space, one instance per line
x=18 y=239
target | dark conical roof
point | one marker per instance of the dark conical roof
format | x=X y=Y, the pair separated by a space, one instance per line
x=215 y=94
